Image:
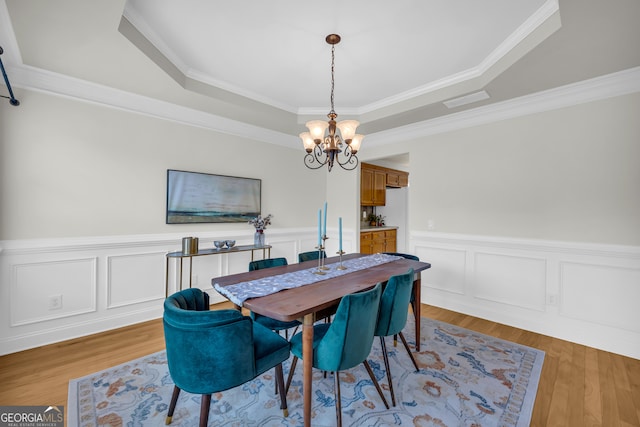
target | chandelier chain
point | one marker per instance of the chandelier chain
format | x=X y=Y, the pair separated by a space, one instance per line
x=333 y=49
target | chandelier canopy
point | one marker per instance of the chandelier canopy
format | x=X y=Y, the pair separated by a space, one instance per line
x=324 y=148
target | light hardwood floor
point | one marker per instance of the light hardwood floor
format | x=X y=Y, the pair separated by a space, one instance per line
x=579 y=386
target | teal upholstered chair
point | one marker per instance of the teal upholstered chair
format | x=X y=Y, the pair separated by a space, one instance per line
x=393 y=317
x=273 y=324
x=311 y=255
x=213 y=351
x=412 y=301
x=344 y=343
x=267 y=263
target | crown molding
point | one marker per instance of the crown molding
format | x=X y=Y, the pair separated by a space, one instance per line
x=611 y=85
x=603 y=87
x=45 y=81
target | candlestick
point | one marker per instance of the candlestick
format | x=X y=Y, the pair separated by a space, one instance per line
x=321 y=265
x=341 y=267
x=320 y=262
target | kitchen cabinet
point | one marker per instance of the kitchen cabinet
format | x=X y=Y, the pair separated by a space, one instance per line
x=373 y=182
x=397 y=179
x=372 y=242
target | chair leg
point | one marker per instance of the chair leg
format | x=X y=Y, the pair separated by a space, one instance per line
x=413 y=359
x=172 y=405
x=336 y=382
x=385 y=357
x=292 y=369
x=205 y=402
x=375 y=382
x=280 y=385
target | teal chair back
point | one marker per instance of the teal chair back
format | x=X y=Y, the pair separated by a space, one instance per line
x=393 y=304
x=311 y=255
x=407 y=256
x=347 y=341
x=267 y=263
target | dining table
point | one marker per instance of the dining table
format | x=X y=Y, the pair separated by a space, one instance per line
x=318 y=295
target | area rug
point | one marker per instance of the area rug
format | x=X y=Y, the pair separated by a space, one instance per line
x=465 y=379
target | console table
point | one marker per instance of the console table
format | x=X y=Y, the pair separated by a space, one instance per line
x=180 y=256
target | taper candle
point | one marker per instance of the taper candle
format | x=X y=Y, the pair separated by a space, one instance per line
x=319 y=227
x=340 y=233
x=324 y=229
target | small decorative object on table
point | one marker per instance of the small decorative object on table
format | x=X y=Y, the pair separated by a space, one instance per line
x=260 y=224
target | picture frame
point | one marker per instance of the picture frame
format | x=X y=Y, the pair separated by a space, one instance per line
x=198 y=197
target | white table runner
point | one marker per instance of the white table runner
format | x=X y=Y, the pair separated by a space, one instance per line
x=242 y=291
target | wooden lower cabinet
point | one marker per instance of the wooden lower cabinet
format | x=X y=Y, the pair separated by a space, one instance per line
x=373 y=242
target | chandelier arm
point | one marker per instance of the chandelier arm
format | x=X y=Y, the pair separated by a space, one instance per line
x=317 y=156
x=350 y=161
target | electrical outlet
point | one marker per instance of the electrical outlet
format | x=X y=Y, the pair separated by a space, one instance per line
x=55 y=302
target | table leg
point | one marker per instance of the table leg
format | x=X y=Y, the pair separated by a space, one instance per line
x=166 y=277
x=307 y=362
x=417 y=285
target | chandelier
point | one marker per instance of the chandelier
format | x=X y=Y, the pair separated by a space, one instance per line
x=324 y=149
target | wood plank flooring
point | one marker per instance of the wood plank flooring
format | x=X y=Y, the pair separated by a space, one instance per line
x=579 y=386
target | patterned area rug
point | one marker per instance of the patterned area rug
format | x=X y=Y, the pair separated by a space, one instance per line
x=465 y=379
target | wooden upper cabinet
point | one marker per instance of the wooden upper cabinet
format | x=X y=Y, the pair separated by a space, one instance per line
x=375 y=179
x=366 y=187
x=372 y=186
x=403 y=179
x=397 y=179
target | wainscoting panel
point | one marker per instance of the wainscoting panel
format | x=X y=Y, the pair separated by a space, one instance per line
x=48 y=290
x=513 y=280
x=135 y=278
x=59 y=289
x=602 y=294
x=584 y=293
x=448 y=268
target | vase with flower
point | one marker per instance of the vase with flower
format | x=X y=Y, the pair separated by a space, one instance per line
x=260 y=225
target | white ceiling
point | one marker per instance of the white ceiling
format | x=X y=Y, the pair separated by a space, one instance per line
x=266 y=65
x=275 y=52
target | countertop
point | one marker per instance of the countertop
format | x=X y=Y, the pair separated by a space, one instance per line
x=364 y=229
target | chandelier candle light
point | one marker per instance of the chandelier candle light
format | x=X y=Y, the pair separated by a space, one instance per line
x=325 y=149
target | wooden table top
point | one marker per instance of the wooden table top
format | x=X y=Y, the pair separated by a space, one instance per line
x=291 y=304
